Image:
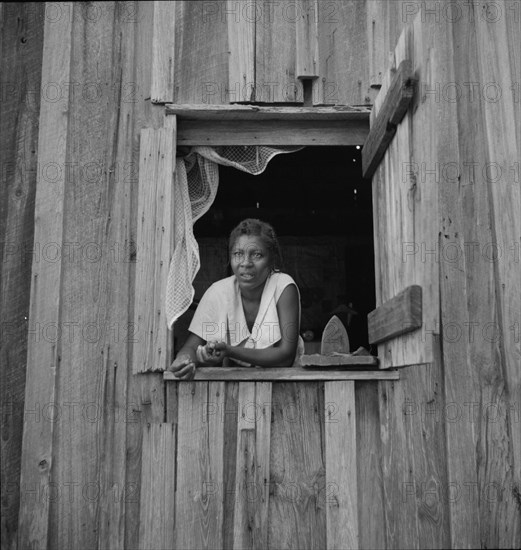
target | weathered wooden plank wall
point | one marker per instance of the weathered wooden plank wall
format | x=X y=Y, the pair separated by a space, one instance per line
x=457 y=437
x=38 y=456
x=21 y=35
x=282 y=481
x=445 y=444
x=97 y=407
x=235 y=51
x=480 y=293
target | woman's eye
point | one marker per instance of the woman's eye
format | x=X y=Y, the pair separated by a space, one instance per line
x=257 y=255
x=238 y=255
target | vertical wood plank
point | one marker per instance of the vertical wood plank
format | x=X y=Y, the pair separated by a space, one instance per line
x=21 y=33
x=275 y=42
x=341 y=468
x=298 y=492
x=477 y=367
x=401 y=517
x=154 y=244
x=201 y=72
x=163 y=52
x=94 y=374
x=424 y=401
x=157 y=508
x=252 y=465
x=145 y=395
x=241 y=40
x=370 y=478
x=229 y=417
x=43 y=357
x=200 y=442
x=377 y=58
x=307 y=39
x=343 y=54
x=500 y=69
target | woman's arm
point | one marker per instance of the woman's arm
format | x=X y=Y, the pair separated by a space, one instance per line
x=189 y=348
x=185 y=362
x=283 y=355
x=187 y=359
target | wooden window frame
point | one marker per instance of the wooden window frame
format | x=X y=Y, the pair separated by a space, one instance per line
x=217 y=125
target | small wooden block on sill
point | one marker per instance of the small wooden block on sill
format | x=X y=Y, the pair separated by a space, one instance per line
x=289 y=374
x=399 y=315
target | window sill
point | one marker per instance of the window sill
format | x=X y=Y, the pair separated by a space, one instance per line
x=287 y=374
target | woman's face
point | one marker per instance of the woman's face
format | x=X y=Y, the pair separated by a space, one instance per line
x=250 y=261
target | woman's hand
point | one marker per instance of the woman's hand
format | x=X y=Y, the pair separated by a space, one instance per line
x=183 y=367
x=212 y=353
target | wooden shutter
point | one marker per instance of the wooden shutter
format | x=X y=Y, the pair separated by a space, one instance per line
x=405 y=200
x=152 y=341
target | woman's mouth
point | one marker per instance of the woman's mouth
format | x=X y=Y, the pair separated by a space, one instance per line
x=246 y=276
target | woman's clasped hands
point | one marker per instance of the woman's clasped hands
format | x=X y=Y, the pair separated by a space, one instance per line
x=212 y=353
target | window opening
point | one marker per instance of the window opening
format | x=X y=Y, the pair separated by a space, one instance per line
x=321 y=208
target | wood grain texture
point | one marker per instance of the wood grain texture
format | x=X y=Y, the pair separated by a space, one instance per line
x=157 y=507
x=426 y=442
x=343 y=54
x=341 y=467
x=201 y=73
x=338 y=360
x=44 y=356
x=154 y=248
x=246 y=374
x=275 y=42
x=478 y=365
x=266 y=132
x=461 y=374
x=145 y=399
x=94 y=362
x=229 y=418
x=416 y=490
x=298 y=492
x=263 y=112
x=163 y=52
x=376 y=41
x=385 y=21
x=405 y=209
x=369 y=467
x=397 y=100
x=21 y=34
x=400 y=508
x=399 y=315
x=200 y=443
x=307 y=39
x=250 y=529
x=503 y=149
x=241 y=51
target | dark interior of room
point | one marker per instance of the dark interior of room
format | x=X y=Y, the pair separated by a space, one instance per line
x=321 y=210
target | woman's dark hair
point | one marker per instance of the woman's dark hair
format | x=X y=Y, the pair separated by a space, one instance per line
x=258 y=228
